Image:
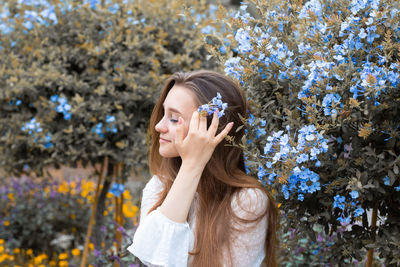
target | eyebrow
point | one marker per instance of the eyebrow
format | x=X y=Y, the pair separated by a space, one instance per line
x=172 y=109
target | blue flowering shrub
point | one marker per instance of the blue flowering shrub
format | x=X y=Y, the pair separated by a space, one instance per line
x=323 y=128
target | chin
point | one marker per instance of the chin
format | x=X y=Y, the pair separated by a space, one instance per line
x=168 y=154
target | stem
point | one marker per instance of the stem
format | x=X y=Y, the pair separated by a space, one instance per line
x=92 y=215
x=118 y=210
x=370 y=256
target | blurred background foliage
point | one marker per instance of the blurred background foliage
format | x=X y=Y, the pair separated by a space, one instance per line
x=79 y=81
x=45 y=221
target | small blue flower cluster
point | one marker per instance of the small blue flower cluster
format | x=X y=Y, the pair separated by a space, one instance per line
x=259 y=127
x=234 y=69
x=110 y=126
x=352 y=207
x=278 y=149
x=215 y=105
x=117 y=189
x=33 y=128
x=63 y=106
x=302 y=181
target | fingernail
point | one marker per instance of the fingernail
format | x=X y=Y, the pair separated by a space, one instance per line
x=231 y=123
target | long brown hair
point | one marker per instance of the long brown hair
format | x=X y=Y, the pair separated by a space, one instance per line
x=223 y=176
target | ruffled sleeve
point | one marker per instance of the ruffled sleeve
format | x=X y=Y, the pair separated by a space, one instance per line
x=247 y=247
x=159 y=241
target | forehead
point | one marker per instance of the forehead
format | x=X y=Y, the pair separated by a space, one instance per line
x=181 y=98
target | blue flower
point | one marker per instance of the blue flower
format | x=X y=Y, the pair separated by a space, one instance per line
x=386 y=180
x=110 y=118
x=339 y=202
x=117 y=189
x=358 y=212
x=215 y=105
x=261 y=172
x=302 y=158
x=354 y=194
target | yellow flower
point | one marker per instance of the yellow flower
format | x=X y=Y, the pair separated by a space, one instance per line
x=38 y=259
x=1 y=249
x=63 y=256
x=29 y=252
x=16 y=251
x=63 y=188
x=109 y=195
x=74 y=229
x=44 y=256
x=11 y=257
x=76 y=252
x=42 y=265
x=3 y=257
x=127 y=195
x=91 y=246
x=63 y=263
x=129 y=210
x=72 y=184
x=10 y=196
x=1 y=241
x=52 y=263
x=279 y=205
x=84 y=193
x=6 y=223
x=17 y=265
x=72 y=216
x=105 y=213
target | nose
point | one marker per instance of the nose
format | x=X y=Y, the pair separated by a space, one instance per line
x=161 y=127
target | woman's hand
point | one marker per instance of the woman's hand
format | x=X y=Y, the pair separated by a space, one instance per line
x=199 y=144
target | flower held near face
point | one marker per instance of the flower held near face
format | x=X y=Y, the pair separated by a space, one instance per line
x=215 y=105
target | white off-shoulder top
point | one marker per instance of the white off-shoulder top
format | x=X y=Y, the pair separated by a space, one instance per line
x=159 y=241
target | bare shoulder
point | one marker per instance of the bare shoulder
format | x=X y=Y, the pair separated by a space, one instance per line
x=249 y=202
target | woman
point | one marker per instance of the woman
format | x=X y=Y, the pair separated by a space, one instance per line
x=200 y=208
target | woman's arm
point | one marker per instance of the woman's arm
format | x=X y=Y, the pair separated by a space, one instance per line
x=195 y=151
x=177 y=203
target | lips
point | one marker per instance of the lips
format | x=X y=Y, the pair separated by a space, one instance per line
x=162 y=140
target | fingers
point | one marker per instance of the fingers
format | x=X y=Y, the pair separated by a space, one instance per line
x=179 y=132
x=194 y=122
x=223 y=133
x=203 y=123
x=214 y=125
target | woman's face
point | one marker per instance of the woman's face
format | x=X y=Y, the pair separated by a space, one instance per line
x=180 y=102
